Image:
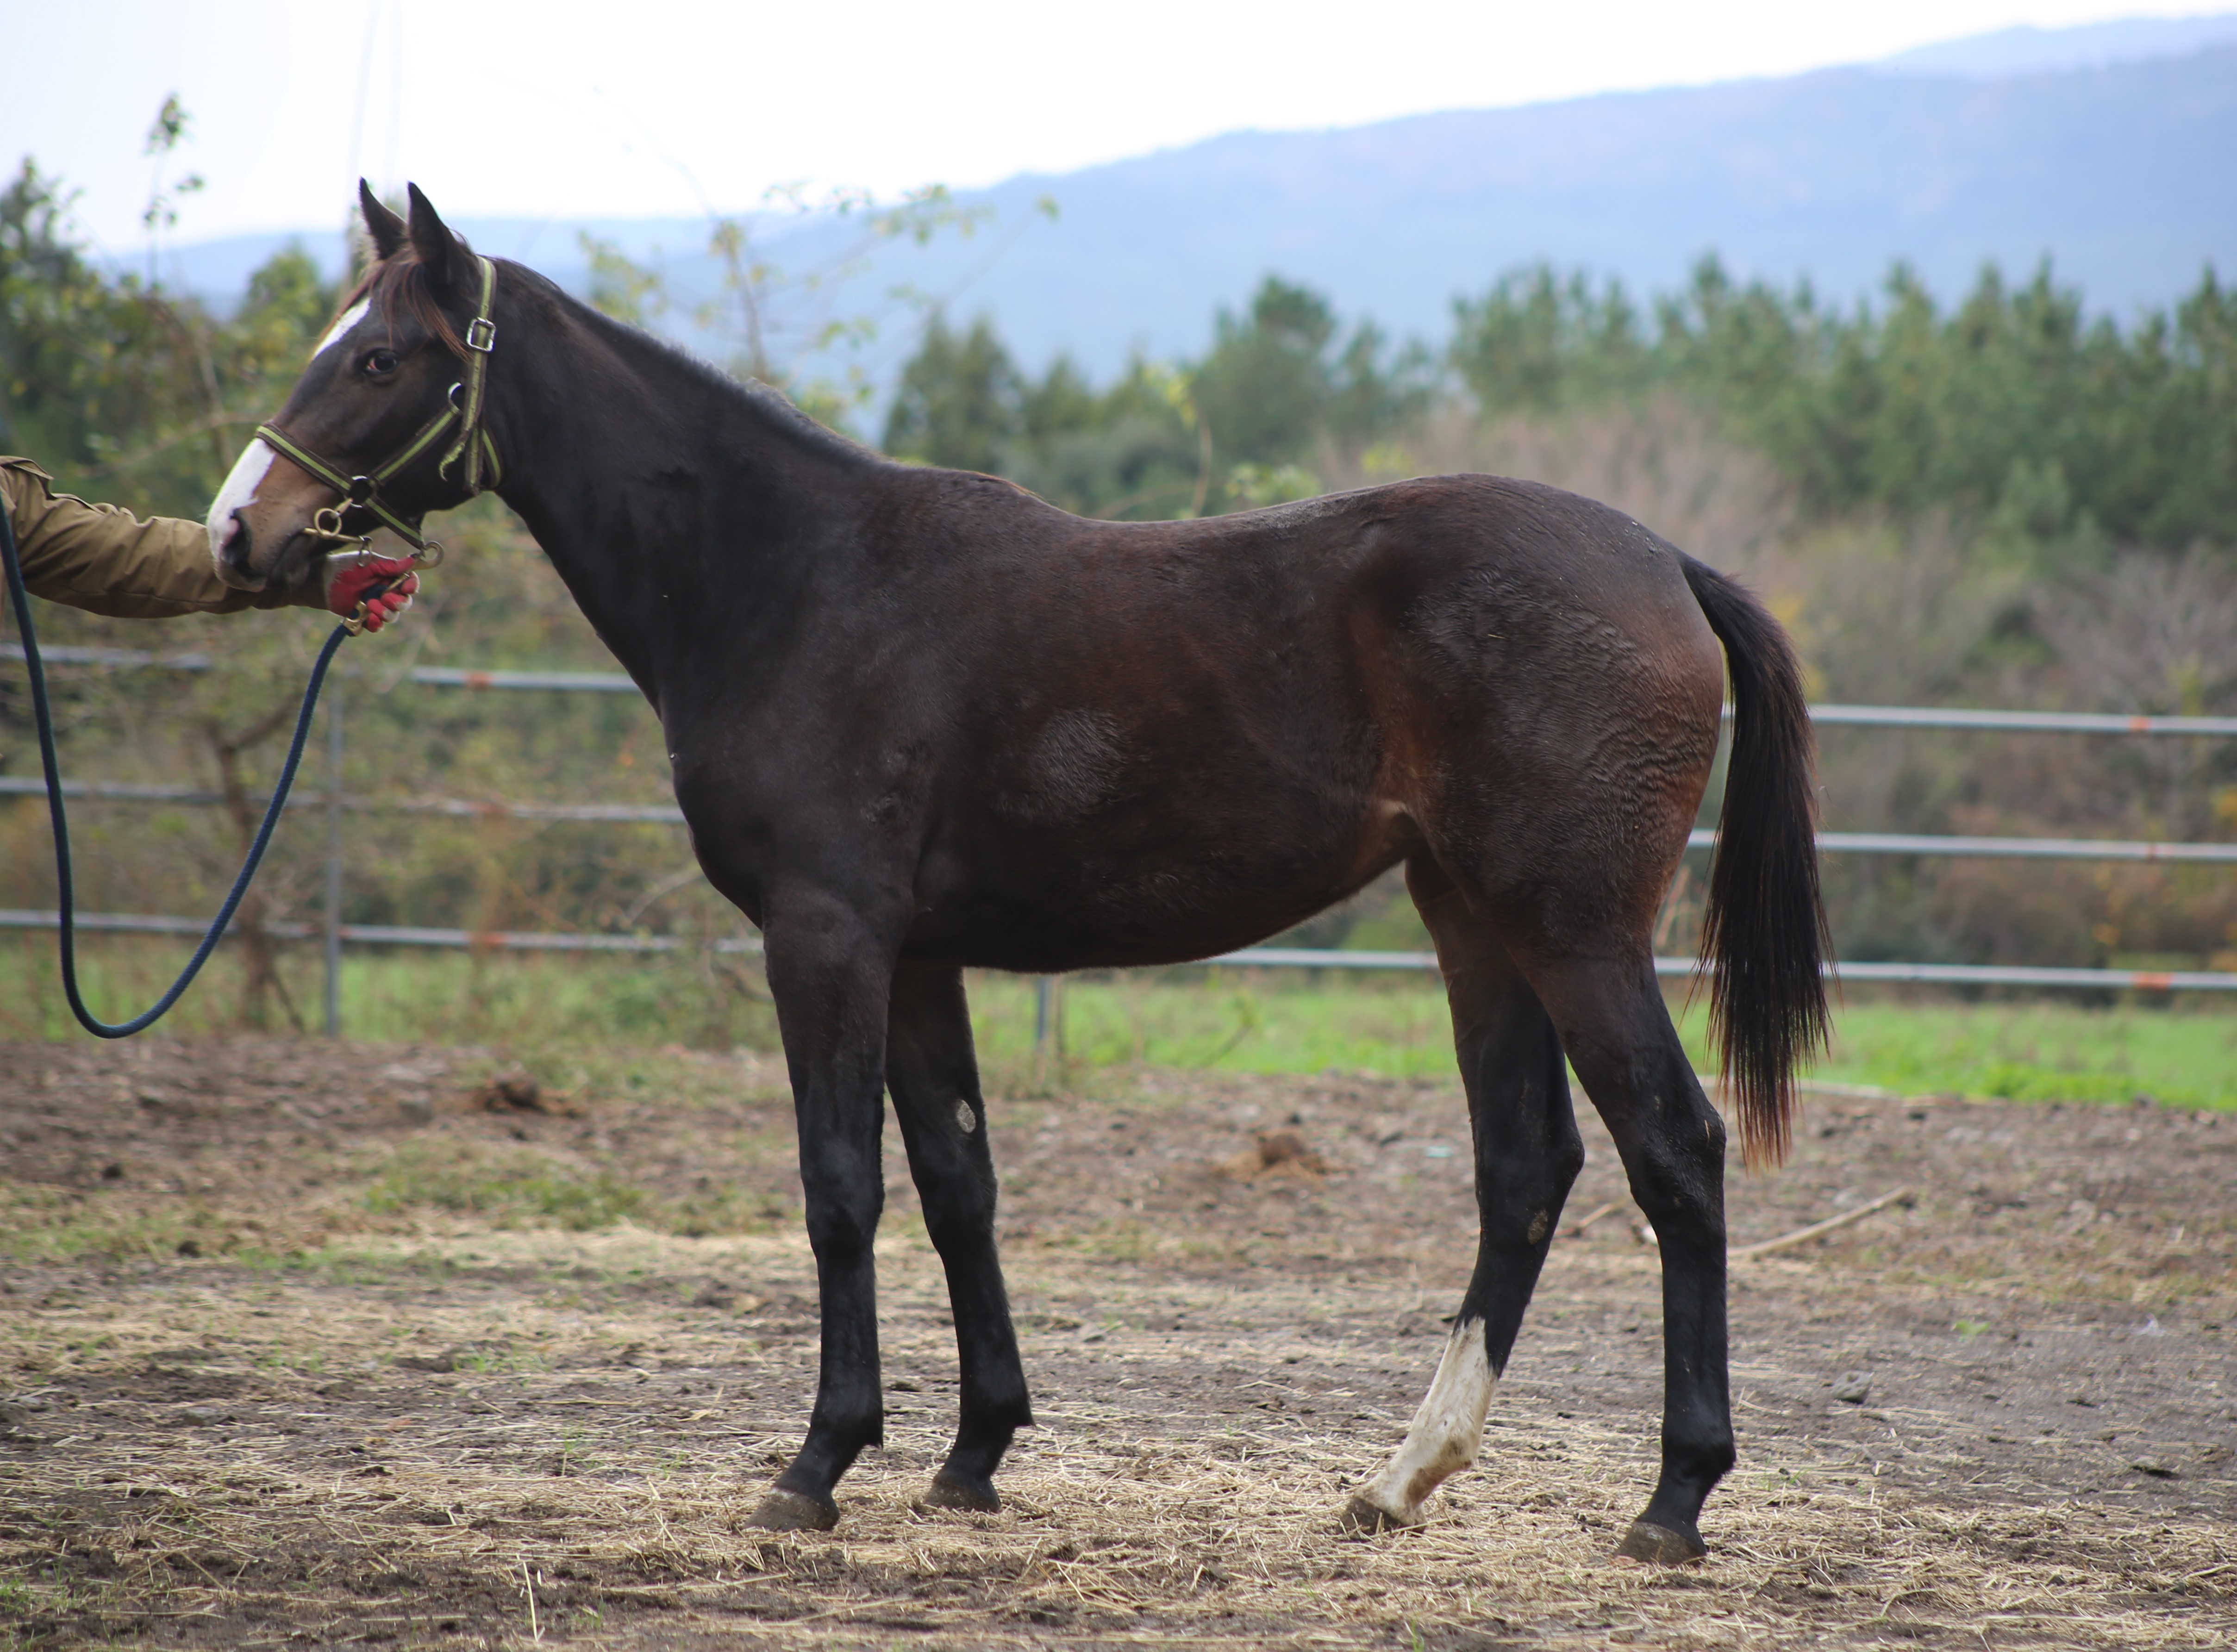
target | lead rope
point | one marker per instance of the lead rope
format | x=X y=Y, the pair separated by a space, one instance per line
x=66 y=895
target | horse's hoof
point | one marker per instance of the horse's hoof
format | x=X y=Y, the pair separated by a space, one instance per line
x=951 y=1490
x=1654 y=1545
x=783 y=1510
x=1362 y=1518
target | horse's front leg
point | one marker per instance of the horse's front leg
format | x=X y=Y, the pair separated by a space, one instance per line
x=934 y=1075
x=830 y=966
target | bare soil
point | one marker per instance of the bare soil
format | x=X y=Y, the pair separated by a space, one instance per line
x=316 y=1345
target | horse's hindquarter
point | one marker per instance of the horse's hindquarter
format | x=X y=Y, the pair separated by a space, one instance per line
x=1570 y=688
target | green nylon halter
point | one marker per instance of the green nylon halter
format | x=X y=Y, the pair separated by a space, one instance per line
x=463 y=408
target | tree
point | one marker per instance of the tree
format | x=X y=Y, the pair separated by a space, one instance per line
x=960 y=402
x=107 y=379
x=1265 y=387
x=1535 y=342
x=1279 y=398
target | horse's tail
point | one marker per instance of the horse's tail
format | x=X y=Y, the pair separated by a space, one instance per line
x=1764 y=931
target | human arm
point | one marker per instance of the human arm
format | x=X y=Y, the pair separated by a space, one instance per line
x=108 y=561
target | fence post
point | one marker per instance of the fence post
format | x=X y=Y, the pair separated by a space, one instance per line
x=334 y=860
x=1044 y=988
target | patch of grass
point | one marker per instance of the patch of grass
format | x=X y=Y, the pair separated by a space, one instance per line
x=722 y=1210
x=355 y=1263
x=537 y=1001
x=1250 y=1021
x=575 y=1454
x=596 y=1024
x=1245 y=1021
x=2033 y=1051
x=41 y=1223
x=516 y=1189
x=523 y=1188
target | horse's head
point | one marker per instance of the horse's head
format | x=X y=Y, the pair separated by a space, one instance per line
x=385 y=423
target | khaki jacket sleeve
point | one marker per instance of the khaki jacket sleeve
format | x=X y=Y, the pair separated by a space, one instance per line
x=108 y=561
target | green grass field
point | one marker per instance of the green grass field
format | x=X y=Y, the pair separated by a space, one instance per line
x=2030 y=1051
x=2038 y=1049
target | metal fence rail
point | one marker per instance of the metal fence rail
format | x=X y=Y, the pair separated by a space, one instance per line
x=336 y=934
x=613 y=682
x=463 y=808
x=494 y=941
x=1258 y=958
x=1854 y=843
x=1904 y=843
x=603 y=682
x=2017 y=723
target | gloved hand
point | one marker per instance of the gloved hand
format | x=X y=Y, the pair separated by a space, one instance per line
x=384 y=584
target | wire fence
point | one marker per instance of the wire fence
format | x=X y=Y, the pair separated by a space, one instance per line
x=335 y=934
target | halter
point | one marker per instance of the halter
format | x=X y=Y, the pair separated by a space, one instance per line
x=462 y=407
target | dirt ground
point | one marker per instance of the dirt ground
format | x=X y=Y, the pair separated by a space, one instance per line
x=304 y=1345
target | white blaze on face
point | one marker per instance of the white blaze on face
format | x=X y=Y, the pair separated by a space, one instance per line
x=1447 y=1431
x=337 y=332
x=238 y=494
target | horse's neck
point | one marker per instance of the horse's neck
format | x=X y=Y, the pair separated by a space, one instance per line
x=676 y=507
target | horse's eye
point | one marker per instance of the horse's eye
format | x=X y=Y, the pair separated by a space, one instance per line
x=378 y=364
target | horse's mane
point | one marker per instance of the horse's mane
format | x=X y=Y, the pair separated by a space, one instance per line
x=400 y=283
x=764 y=398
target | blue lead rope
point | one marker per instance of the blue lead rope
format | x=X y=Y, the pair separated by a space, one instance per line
x=66 y=895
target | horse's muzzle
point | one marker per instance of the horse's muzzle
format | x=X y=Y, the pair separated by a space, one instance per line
x=234 y=552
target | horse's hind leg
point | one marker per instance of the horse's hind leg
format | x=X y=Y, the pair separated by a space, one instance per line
x=1526 y=1154
x=933 y=1076
x=1618 y=1033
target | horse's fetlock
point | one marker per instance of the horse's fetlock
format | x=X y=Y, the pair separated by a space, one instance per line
x=1702 y=1460
x=852 y=1428
x=998 y=1413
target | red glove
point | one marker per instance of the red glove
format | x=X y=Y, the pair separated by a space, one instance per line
x=383 y=584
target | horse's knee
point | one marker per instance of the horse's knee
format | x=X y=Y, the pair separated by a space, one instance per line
x=842 y=1214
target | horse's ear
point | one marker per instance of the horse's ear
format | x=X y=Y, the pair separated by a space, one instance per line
x=431 y=239
x=384 y=226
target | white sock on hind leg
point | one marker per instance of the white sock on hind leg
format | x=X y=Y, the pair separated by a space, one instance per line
x=1447 y=1431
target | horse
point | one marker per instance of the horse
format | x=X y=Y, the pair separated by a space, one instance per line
x=920 y=720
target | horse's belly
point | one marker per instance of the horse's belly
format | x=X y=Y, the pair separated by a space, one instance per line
x=1084 y=899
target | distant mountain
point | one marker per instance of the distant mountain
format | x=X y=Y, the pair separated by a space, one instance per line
x=2120 y=173
x=2026 y=51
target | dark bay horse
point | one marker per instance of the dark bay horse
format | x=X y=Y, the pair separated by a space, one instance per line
x=920 y=721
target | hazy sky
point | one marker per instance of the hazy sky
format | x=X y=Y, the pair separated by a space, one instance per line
x=642 y=108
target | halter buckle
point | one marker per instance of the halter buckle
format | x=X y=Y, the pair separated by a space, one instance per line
x=326 y=523
x=481 y=334
x=361 y=490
